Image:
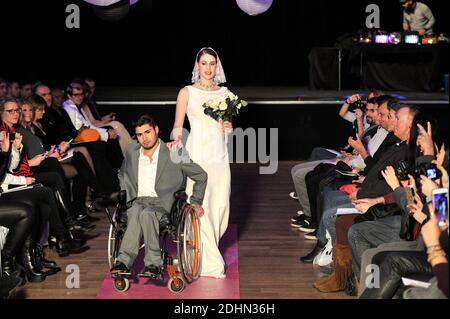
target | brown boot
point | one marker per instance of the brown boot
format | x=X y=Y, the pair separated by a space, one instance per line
x=342 y=271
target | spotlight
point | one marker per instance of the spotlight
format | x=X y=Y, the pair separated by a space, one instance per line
x=412 y=38
x=382 y=39
x=396 y=38
x=431 y=39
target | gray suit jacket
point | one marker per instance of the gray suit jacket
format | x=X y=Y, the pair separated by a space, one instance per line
x=170 y=176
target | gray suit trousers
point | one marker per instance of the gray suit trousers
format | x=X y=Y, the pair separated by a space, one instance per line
x=144 y=218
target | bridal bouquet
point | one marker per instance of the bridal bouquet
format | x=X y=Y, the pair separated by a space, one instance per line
x=225 y=107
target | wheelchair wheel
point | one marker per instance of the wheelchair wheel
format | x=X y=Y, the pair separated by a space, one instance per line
x=189 y=245
x=121 y=284
x=174 y=286
x=114 y=240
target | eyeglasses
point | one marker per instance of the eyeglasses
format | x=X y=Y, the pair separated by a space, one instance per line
x=18 y=111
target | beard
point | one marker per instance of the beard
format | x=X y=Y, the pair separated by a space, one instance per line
x=150 y=146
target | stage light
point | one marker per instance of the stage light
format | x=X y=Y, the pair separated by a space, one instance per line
x=382 y=39
x=254 y=7
x=432 y=39
x=396 y=38
x=412 y=39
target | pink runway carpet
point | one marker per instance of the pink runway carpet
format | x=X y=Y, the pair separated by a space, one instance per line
x=202 y=288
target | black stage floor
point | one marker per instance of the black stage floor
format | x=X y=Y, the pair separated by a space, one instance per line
x=255 y=94
x=303 y=118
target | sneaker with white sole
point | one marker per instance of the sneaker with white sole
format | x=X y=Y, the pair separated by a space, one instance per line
x=309 y=228
x=293 y=195
x=311 y=236
x=302 y=222
x=298 y=218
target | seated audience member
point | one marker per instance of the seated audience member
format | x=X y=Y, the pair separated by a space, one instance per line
x=13 y=90
x=322 y=180
x=26 y=90
x=79 y=119
x=371 y=187
x=299 y=171
x=22 y=174
x=403 y=259
x=75 y=166
x=3 y=89
x=90 y=109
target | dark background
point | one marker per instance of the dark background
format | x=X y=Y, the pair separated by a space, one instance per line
x=157 y=41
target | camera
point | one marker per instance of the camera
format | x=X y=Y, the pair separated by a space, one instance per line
x=402 y=170
x=358 y=104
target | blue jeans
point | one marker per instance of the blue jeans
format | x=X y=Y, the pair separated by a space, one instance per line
x=371 y=234
x=332 y=201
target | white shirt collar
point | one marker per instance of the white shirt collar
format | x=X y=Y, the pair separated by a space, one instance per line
x=155 y=156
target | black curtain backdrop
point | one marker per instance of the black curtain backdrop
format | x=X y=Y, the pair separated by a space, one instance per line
x=157 y=41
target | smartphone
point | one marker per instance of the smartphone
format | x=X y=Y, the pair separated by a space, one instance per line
x=440 y=203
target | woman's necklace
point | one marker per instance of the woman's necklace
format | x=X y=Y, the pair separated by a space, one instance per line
x=207 y=87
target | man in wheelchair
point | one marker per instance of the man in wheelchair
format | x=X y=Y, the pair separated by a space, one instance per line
x=151 y=178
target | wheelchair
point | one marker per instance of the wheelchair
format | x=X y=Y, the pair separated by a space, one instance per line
x=183 y=228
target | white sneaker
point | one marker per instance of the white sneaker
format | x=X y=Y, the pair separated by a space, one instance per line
x=325 y=257
x=293 y=195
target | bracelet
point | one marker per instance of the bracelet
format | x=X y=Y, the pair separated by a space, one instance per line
x=435 y=254
x=432 y=248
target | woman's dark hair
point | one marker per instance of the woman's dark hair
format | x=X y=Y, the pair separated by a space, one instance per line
x=144 y=119
x=206 y=51
x=36 y=101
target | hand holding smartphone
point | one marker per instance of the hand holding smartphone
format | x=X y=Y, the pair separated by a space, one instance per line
x=440 y=205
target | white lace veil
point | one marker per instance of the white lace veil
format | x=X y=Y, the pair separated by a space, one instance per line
x=220 y=74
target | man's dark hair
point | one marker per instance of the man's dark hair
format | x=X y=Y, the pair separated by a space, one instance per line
x=144 y=119
x=389 y=99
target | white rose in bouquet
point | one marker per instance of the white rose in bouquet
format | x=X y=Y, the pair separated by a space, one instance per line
x=223 y=106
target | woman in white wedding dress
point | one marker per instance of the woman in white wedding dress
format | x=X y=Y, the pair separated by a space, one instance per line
x=207 y=146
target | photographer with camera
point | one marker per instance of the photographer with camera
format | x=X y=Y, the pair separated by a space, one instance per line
x=353 y=111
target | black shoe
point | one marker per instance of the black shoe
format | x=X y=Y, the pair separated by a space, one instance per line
x=301 y=222
x=298 y=218
x=41 y=262
x=86 y=218
x=79 y=229
x=9 y=284
x=7 y=263
x=308 y=259
x=120 y=268
x=310 y=227
x=153 y=272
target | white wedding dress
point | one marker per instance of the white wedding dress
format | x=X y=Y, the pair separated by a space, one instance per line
x=207 y=147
